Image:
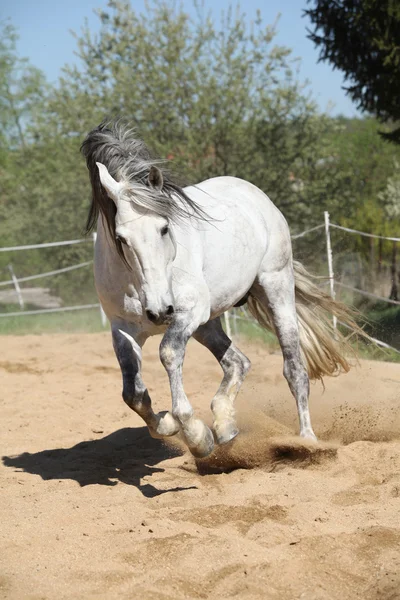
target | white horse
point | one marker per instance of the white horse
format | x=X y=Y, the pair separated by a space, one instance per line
x=172 y=260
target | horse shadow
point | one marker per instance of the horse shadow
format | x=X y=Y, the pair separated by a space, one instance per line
x=127 y=456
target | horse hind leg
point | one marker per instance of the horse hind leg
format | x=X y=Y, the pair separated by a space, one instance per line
x=235 y=366
x=274 y=291
x=127 y=346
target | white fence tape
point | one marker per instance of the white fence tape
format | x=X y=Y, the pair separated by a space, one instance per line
x=384 y=345
x=40 y=275
x=378 y=342
x=369 y=294
x=48 y=245
x=234 y=315
x=49 y=310
x=370 y=235
x=303 y=233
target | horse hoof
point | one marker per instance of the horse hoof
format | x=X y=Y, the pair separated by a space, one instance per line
x=227 y=435
x=206 y=446
x=225 y=431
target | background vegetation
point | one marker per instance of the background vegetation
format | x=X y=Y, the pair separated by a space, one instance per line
x=215 y=101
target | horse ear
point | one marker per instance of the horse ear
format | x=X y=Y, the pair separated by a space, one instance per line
x=111 y=186
x=155 y=178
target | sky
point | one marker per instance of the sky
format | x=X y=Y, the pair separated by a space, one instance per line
x=44 y=28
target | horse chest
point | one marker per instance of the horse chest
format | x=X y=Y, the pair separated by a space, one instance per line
x=131 y=304
x=122 y=300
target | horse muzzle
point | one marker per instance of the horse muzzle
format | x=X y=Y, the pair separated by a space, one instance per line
x=162 y=317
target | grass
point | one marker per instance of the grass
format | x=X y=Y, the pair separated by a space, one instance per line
x=363 y=350
x=252 y=331
x=375 y=352
x=383 y=323
x=88 y=321
x=79 y=321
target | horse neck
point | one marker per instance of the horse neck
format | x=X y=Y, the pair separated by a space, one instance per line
x=106 y=251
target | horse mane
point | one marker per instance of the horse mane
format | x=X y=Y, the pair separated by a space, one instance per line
x=127 y=158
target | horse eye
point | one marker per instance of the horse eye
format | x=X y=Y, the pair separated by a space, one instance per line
x=164 y=230
x=120 y=239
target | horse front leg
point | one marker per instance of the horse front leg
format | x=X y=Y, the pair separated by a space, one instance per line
x=128 y=342
x=235 y=366
x=198 y=436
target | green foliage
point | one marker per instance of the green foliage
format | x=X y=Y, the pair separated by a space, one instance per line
x=384 y=323
x=390 y=197
x=366 y=162
x=362 y=39
x=21 y=89
x=215 y=100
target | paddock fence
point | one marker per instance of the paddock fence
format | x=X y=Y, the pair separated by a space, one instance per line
x=334 y=252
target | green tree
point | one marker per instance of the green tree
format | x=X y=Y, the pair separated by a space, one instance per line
x=216 y=100
x=366 y=162
x=37 y=203
x=22 y=88
x=362 y=39
x=390 y=197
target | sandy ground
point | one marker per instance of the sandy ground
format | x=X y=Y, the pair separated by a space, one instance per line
x=92 y=507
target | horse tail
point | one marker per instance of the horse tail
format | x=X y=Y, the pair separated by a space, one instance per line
x=323 y=349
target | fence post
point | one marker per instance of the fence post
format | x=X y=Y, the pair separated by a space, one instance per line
x=235 y=328
x=103 y=316
x=330 y=262
x=393 y=270
x=227 y=325
x=17 y=288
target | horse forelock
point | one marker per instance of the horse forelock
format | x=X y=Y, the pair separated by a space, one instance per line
x=128 y=159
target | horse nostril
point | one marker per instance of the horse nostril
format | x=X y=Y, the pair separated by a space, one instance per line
x=159 y=318
x=151 y=316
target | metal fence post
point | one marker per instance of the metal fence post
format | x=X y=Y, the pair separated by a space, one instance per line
x=330 y=262
x=102 y=313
